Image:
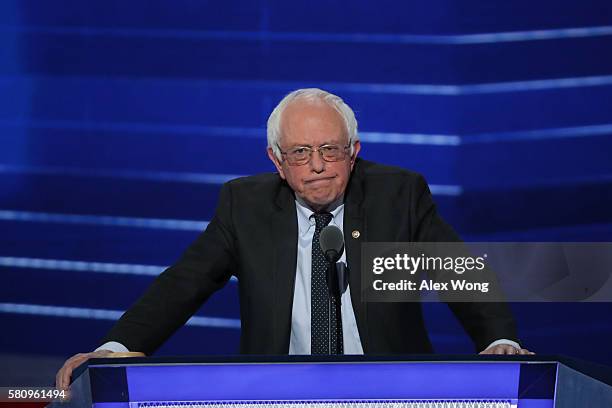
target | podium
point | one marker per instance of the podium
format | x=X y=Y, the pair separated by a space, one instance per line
x=341 y=382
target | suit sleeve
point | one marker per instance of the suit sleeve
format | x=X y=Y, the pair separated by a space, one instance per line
x=484 y=322
x=177 y=293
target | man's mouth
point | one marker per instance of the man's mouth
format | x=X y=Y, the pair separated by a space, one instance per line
x=319 y=181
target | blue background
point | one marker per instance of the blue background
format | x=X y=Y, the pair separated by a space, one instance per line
x=120 y=120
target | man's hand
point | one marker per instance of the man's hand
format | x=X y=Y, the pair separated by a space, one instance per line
x=506 y=349
x=62 y=379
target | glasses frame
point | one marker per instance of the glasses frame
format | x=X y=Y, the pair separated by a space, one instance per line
x=312 y=150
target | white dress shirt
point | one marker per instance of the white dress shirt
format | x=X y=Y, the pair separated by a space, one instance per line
x=300 y=315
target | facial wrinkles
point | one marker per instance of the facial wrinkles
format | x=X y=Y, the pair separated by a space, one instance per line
x=318 y=182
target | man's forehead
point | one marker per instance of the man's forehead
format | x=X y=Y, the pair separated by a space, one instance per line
x=313 y=140
x=308 y=122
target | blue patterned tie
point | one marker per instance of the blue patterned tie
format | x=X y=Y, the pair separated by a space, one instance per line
x=320 y=315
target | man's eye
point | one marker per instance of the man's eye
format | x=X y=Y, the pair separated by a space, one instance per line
x=300 y=150
x=329 y=148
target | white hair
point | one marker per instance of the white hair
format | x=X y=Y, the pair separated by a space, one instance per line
x=310 y=94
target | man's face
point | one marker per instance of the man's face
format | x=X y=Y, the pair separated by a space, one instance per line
x=312 y=124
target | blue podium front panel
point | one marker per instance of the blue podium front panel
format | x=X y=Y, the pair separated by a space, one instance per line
x=330 y=384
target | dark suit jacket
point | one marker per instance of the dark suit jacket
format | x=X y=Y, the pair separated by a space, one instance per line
x=253 y=235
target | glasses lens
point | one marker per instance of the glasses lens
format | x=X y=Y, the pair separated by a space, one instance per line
x=332 y=153
x=299 y=156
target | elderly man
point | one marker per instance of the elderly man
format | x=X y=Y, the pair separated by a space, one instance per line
x=266 y=232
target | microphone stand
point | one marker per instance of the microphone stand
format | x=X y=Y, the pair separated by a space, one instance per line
x=335 y=291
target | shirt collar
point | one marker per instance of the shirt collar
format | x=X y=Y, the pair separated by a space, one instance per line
x=307 y=221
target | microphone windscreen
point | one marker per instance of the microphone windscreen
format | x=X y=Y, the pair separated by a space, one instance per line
x=331 y=239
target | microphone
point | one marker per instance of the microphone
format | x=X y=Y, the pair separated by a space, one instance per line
x=331 y=241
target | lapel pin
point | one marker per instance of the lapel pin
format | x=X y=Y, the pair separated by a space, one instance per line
x=355 y=234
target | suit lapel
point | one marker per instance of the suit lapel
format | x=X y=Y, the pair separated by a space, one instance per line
x=285 y=232
x=354 y=235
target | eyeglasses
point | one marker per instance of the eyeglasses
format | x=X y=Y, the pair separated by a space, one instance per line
x=300 y=155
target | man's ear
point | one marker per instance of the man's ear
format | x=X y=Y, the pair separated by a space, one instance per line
x=356 y=149
x=277 y=163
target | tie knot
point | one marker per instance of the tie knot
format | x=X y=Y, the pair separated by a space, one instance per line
x=322 y=219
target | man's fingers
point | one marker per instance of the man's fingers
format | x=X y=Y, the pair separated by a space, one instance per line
x=63 y=376
x=506 y=349
x=62 y=379
x=60 y=383
x=69 y=367
x=499 y=349
x=58 y=379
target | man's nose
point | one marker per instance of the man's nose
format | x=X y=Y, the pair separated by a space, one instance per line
x=317 y=164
